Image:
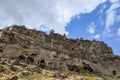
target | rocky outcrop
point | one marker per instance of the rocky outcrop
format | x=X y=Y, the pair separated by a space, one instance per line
x=55 y=51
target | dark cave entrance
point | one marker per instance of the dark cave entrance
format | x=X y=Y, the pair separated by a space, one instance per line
x=94 y=50
x=21 y=57
x=29 y=60
x=73 y=68
x=88 y=68
x=42 y=63
x=1 y=50
x=114 y=72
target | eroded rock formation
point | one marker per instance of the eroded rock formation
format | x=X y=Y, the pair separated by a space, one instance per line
x=55 y=51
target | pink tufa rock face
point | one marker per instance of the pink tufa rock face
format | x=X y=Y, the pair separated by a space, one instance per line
x=55 y=51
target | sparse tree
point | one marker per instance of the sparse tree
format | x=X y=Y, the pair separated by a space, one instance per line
x=52 y=31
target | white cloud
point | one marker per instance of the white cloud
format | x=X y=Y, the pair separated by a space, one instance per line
x=118 y=32
x=45 y=29
x=113 y=1
x=91 y=28
x=97 y=36
x=112 y=17
x=55 y=14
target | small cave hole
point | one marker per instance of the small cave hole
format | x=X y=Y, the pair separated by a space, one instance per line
x=87 y=67
x=70 y=68
x=33 y=54
x=1 y=50
x=30 y=60
x=114 y=72
x=94 y=50
x=21 y=57
x=42 y=63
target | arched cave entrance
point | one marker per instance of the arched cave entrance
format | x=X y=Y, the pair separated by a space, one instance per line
x=73 y=68
x=70 y=68
x=21 y=57
x=42 y=63
x=88 y=68
x=114 y=72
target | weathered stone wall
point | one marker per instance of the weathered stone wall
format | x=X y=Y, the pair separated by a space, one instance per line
x=55 y=51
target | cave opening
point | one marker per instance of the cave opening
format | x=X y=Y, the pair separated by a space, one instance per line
x=114 y=72
x=21 y=57
x=87 y=67
x=42 y=63
x=73 y=68
x=1 y=50
x=30 y=60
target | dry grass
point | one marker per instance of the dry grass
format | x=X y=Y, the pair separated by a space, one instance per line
x=44 y=75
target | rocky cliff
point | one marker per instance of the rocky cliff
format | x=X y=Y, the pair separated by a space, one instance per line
x=57 y=52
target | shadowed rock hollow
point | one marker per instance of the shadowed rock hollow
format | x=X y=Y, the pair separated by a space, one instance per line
x=57 y=52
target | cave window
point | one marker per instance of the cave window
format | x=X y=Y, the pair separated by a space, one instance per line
x=26 y=54
x=30 y=60
x=87 y=67
x=60 y=63
x=33 y=54
x=71 y=68
x=74 y=68
x=42 y=63
x=93 y=50
x=1 y=50
x=21 y=57
x=114 y=72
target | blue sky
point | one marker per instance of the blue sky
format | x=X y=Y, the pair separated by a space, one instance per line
x=90 y=19
x=92 y=26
